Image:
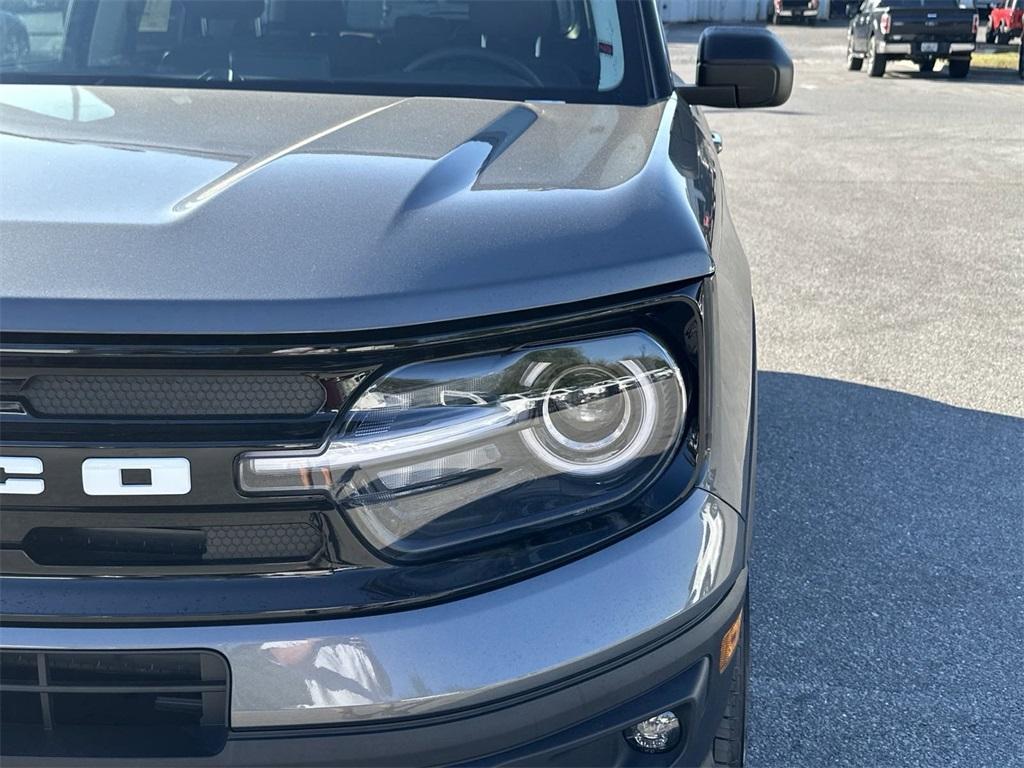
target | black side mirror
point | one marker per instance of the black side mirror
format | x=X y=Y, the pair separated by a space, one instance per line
x=851 y=10
x=740 y=67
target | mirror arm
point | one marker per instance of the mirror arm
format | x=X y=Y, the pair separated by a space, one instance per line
x=725 y=96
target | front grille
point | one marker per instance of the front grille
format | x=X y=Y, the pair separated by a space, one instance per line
x=172 y=396
x=287 y=543
x=113 y=704
x=206 y=409
x=166 y=542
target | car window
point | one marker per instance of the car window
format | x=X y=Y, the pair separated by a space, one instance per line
x=31 y=31
x=571 y=50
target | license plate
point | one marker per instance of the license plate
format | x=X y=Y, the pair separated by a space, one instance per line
x=929 y=47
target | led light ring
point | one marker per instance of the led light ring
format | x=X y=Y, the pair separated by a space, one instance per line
x=592 y=447
x=630 y=452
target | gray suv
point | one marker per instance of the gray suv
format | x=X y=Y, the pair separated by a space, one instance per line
x=378 y=386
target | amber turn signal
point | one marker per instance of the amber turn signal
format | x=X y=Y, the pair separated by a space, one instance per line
x=730 y=641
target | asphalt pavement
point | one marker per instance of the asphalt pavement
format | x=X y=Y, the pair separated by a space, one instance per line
x=884 y=223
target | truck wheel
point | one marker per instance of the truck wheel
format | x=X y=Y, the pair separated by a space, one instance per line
x=927 y=65
x=990 y=35
x=1003 y=36
x=874 y=59
x=958 y=68
x=729 y=750
x=853 y=61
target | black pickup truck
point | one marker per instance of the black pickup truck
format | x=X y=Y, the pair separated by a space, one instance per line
x=920 y=30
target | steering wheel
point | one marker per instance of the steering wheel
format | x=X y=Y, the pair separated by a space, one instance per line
x=502 y=61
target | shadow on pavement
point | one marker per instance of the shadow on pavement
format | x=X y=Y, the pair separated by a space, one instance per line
x=977 y=75
x=887 y=569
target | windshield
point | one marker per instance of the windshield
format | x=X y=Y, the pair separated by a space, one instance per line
x=568 y=50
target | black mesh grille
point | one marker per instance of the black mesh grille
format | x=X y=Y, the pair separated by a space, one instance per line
x=112 y=704
x=182 y=396
x=270 y=543
x=281 y=541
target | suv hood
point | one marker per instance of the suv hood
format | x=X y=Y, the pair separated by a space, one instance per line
x=152 y=210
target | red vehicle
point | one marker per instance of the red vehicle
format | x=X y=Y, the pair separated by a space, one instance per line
x=1005 y=22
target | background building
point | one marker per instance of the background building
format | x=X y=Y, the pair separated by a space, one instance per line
x=721 y=10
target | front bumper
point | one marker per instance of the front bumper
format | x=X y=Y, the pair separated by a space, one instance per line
x=576 y=723
x=790 y=12
x=562 y=661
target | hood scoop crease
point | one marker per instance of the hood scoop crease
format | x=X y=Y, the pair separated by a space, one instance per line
x=458 y=170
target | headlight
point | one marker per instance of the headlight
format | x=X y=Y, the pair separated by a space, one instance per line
x=440 y=453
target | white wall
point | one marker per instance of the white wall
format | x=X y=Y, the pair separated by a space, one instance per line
x=720 y=10
x=713 y=10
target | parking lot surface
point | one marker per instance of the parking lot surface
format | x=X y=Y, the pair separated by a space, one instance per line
x=883 y=223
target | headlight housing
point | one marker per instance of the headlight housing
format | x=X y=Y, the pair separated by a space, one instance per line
x=441 y=454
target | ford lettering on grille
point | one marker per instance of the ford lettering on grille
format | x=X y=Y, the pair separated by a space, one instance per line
x=23 y=475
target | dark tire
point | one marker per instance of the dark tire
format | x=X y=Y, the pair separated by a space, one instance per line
x=811 y=20
x=853 y=61
x=729 y=750
x=958 y=68
x=990 y=35
x=1003 y=36
x=928 y=65
x=875 y=60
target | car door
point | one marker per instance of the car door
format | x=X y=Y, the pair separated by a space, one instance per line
x=862 y=25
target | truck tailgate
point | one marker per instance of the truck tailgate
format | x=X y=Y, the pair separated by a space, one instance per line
x=932 y=24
